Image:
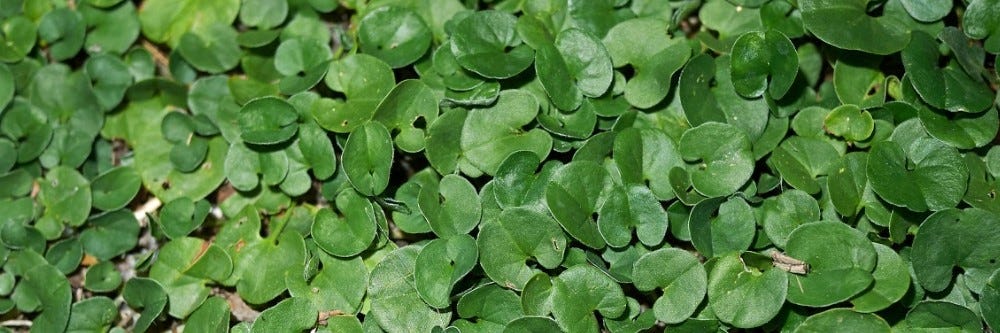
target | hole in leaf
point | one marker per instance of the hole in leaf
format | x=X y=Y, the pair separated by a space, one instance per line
x=593 y=216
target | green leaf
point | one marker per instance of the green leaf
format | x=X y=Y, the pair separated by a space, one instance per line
x=927 y=11
x=517 y=235
x=441 y=264
x=532 y=324
x=290 y=315
x=340 y=283
x=948 y=88
x=841 y=261
x=451 y=207
x=892 y=281
x=843 y=319
x=63 y=31
x=848 y=183
x=940 y=315
x=96 y=314
x=263 y=14
x=148 y=295
x=18 y=38
x=800 y=160
x=579 y=291
x=166 y=21
x=487 y=44
x=267 y=121
x=681 y=278
x=574 y=194
x=394 y=34
x=395 y=303
x=488 y=307
x=848 y=25
x=576 y=65
x=645 y=156
x=211 y=316
x=989 y=300
x=719 y=158
x=51 y=290
x=925 y=175
x=961 y=130
x=849 y=122
x=744 y=296
x=66 y=196
x=180 y=217
x=350 y=234
x=492 y=133
x=942 y=243
x=103 y=277
x=365 y=80
x=858 y=80
x=785 y=212
x=409 y=102
x=367 y=158
x=211 y=48
x=980 y=22
x=183 y=267
x=763 y=61
x=628 y=208
x=730 y=229
x=261 y=266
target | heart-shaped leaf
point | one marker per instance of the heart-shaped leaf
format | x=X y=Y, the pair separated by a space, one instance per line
x=961 y=129
x=892 y=281
x=492 y=133
x=211 y=48
x=719 y=226
x=681 y=278
x=849 y=122
x=843 y=319
x=848 y=25
x=394 y=296
x=111 y=234
x=440 y=265
x=925 y=175
x=579 y=291
x=942 y=245
x=394 y=34
x=575 y=65
x=574 y=194
x=268 y=120
x=948 y=88
x=783 y=213
x=763 y=61
x=290 y=315
x=211 y=316
x=508 y=242
x=840 y=259
x=368 y=157
x=929 y=315
x=745 y=296
x=340 y=283
x=148 y=295
x=486 y=43
x=980 y=22
x=719 y=158
x=451 y=207
x=115 y=188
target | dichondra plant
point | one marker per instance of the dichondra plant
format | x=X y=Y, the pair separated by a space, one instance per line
x=505 y=166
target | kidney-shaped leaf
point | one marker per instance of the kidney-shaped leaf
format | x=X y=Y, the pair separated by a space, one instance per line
x=487 y=44
x=397 y=35
x=368 y=157
x=517 y=235
x=268 y=120
x=943 y=243
x=846 y=24
x=745 y=296
x=490 y=134
x=576 y=192
x=843 y=320
x=579 y=291
x=681 y=278
x=763 y=61
x=440 y=265
x=947 y=88
x=347 y=235
x=927 y=175
x=719 y=158
x=841 y=261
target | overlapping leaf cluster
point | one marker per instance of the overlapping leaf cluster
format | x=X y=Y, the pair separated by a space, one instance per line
x=499 y=166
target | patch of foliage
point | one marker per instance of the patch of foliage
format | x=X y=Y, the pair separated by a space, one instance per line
x=499 y=165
